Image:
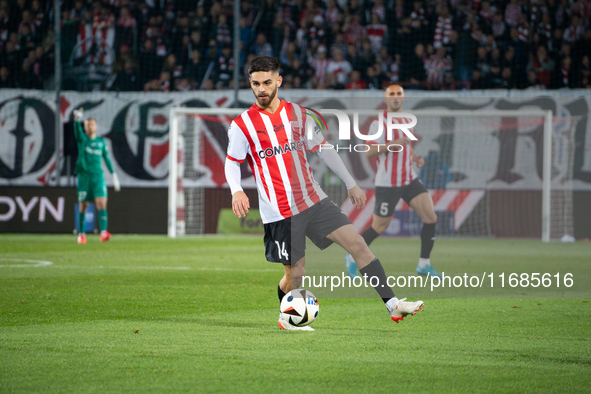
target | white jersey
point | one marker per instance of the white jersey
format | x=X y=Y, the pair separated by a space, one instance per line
x=275 y=147
x=394 y=168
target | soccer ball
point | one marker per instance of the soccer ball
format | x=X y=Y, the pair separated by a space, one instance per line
x=299 y=307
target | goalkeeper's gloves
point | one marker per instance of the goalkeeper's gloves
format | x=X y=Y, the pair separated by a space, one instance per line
x=116 y=183
x=77 y=114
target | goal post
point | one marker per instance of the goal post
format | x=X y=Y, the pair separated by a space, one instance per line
x=190 y=172
x=178 y=126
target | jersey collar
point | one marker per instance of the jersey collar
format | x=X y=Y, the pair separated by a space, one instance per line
x=262 y=111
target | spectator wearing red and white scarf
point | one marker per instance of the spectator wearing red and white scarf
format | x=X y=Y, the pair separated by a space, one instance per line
x=523 y=29
x=513 y=13
x=317 y=32
x=379 y=10
x=222 y=31
x=442 y=29
x=544 y=27
x=533 y=11
x=417 y=16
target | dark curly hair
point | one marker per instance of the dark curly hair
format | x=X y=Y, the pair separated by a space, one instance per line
x=263 y=63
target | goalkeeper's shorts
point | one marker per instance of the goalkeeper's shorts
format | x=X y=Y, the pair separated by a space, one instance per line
x=91 y=186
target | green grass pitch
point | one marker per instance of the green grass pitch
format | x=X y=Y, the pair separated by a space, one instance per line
x=146 y=314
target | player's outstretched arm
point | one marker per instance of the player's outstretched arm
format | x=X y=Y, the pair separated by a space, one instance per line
x=78 y=128
x=240 y=202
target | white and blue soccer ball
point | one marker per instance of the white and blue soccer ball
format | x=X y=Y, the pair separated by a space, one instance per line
x=299 y=307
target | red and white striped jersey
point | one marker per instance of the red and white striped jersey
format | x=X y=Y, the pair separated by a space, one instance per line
x=275 y=146
x=436 y=68
x=100 y=28
x=394 y=168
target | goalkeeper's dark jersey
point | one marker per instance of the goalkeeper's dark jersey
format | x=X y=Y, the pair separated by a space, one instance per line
x=90 y=152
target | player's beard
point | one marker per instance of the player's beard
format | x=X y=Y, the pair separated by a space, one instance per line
x=265 y=102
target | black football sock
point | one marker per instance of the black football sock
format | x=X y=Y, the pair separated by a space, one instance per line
x=427 y=239
x=280 y=293
x=375 y=269
x=369 y=235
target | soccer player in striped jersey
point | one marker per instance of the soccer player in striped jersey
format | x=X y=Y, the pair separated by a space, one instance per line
x=91 y=181
x=273 y=136
x=395 y=179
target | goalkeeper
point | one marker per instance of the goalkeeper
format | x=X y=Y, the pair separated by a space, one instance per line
x=91 y=182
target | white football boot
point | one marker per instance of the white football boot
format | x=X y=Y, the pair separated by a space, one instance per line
x=403 y=308
x=286 y=325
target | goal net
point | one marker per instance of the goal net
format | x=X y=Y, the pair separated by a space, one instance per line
x=490 y=173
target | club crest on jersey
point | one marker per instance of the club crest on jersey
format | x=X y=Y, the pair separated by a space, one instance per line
x=281 y=149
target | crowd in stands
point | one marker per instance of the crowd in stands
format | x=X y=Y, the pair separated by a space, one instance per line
x=184 y=45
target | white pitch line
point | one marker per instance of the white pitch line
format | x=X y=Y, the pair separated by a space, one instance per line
x=165 y=268
x=32 y=263
x=120 y=267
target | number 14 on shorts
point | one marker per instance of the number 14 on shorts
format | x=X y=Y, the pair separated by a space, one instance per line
x=281 y=251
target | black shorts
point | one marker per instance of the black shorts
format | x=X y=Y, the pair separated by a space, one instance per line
x=387 y=197
x=285 y=240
